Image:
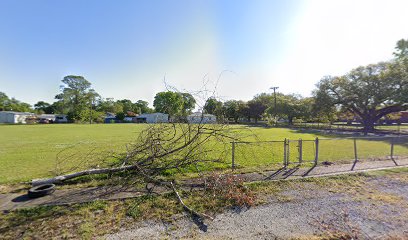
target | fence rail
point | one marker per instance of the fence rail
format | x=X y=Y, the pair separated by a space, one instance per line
x=318 y=151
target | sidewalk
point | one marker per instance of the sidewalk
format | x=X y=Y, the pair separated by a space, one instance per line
x=14 y=201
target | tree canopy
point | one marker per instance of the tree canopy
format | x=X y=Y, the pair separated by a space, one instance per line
x=369 y=92
x=76 y=96
x=215 y=107
x=291 y=106
x=168 y=102
x=12 y=104
x=188 y=103
x=44 y=107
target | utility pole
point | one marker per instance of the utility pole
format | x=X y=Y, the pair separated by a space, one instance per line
x=274 y=95
x=90 y=112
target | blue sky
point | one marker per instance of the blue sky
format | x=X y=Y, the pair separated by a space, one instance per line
x=127 y=48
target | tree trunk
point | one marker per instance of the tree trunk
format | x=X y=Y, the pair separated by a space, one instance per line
x=368 y=123
x=290 y=119
x=62 y=178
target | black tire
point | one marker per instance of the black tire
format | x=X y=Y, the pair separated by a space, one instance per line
x=41 y=190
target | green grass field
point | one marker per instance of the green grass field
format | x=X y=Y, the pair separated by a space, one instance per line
x=29 y=151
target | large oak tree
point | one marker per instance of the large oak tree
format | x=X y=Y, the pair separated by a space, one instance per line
x=370 y=92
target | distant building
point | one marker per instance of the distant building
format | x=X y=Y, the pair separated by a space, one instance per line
x=130 y=119
x=53 y=118
x=153 y=118
x=110 y=118
x=15 y=117
x=49 y=117
x=201 y=118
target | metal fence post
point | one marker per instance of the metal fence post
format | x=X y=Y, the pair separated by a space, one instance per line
x=233 y=155
x=285 y=163
x=392 y=149
x=300 y=147
x=317 y=151
x=355 y=150
x=287 y=152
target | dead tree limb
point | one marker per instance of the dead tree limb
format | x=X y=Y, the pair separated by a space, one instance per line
x=59 y=179
x=186 y=208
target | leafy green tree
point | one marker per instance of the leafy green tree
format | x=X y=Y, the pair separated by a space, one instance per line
x=3 y=101
x=259 y=104
x=18 y=106
x=370 y=92
x=231 y=110
x=243 y=110
x=127 y=106
x=110 y=106
x=256 y=109
x=90 y=115
x=120 y=116
x=401 y=49
x=323 y=111
x=291 y=106
x=7 y=104
x=215 y=107
x=58 y=107
x=143 y=106
x=211 y=105
x=44 y=107
x=188 y=103
x=76 y=95
x=168 y=102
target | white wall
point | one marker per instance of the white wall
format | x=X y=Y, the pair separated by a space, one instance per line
x=7 y=117
x=13 y=117
x=155 y=117
x=198 y=118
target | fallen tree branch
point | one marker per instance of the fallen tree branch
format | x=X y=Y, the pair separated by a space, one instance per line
x=59 y=179
x=189 y=210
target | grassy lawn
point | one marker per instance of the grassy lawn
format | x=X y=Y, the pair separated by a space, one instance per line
x=29 y=151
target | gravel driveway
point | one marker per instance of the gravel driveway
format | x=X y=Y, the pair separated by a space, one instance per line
x=302 y=213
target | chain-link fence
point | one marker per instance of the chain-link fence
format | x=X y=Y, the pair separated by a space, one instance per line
x=395 y=128
x=324 y=151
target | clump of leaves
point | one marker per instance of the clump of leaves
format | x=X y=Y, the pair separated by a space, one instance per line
x=229 y=188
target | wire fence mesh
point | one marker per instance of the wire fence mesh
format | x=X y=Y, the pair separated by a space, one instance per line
x=258 y=154
x=289 y=152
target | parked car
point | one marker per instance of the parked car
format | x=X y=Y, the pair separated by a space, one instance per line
x=61 y=119
x=43 y=120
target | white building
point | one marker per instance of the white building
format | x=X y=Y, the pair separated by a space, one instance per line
x=201 y=118
x=153 y=118
x=54 y=118
x=14 y=117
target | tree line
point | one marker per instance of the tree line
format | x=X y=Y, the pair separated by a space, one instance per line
x=367 y=92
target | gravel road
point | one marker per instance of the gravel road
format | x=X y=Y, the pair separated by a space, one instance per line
x=303 y=214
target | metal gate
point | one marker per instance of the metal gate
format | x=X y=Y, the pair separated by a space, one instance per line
x=300 y=151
